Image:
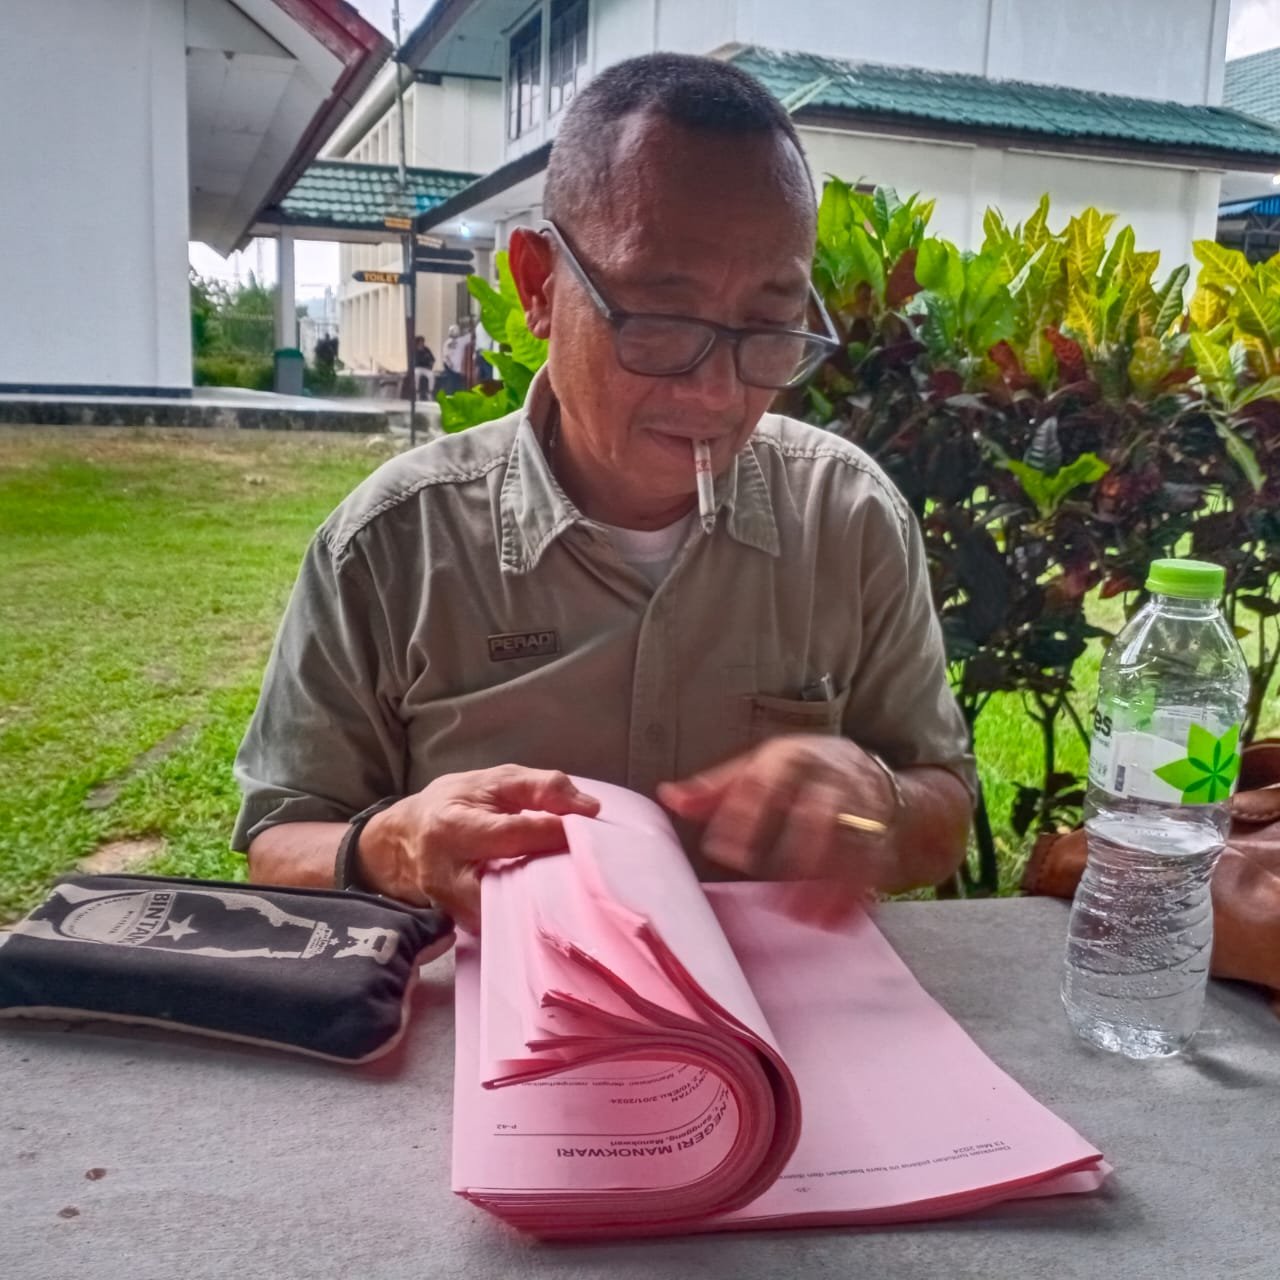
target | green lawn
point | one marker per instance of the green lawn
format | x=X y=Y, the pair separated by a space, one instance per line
x=142 y=576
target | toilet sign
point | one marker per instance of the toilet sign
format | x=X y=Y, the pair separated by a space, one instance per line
x=381 y=277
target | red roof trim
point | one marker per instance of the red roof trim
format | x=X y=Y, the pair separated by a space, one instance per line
x=361 y=47
x=336 y=25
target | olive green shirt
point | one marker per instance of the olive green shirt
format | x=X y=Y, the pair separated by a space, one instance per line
x=458 y=612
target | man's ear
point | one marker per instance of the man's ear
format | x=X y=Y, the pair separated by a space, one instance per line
x=531 y=259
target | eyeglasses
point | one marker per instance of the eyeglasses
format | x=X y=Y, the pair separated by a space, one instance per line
x=664 y=346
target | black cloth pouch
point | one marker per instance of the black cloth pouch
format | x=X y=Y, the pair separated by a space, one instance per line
x=310 y=970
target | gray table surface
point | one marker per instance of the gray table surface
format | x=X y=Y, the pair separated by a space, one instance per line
x=229 y=1161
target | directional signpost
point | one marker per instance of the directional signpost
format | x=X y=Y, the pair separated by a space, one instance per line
x=381 y=277
x=443 y=262
x=423 y=255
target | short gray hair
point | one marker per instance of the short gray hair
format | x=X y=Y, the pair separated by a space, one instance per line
x=702 y=94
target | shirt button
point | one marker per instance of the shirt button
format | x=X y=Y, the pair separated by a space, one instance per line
x=656 y=735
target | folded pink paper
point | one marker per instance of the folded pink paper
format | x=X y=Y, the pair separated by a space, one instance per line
x=638 y=1053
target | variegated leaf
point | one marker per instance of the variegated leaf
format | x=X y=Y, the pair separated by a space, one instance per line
x=1220 y=264
x=1208 y=307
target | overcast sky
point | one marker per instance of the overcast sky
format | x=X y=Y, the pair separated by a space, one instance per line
x=1255 y=25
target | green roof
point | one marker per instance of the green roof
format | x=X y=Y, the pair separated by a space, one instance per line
x=343 y=194
x=934 y=102
x=1252 y=85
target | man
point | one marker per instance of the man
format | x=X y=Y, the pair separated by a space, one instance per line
x=424 y=360
x=537 y=597
x=451 y=375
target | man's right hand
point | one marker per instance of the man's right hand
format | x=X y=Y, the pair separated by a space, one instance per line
x=431 y=847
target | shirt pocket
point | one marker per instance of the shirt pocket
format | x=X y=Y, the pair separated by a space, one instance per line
x=765 y=715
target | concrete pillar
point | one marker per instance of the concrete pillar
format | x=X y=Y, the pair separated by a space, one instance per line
x=288 y=364
x=286 y=303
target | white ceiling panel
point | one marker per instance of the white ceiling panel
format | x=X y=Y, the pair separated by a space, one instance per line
x=224 y=26
x=257 y=80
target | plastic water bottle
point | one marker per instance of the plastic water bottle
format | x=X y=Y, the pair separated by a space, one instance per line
x=1163 y=763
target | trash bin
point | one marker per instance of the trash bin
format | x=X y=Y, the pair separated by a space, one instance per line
x=290 y=363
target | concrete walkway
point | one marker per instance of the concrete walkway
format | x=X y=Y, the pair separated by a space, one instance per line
x=222 y=407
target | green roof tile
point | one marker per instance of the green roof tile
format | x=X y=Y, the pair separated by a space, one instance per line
x=342 y=193
x=809 y=83
x=1252 y=85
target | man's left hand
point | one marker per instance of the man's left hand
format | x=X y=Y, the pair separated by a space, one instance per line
x=771 y=813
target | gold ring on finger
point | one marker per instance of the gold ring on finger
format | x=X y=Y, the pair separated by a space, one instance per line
x=864 y=826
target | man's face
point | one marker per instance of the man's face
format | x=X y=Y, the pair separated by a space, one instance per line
x=693 y=224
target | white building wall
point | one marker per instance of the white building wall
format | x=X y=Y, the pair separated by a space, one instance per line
x=621 y=29
x=93 y=201
x=941 y=35
x=694 y=28
x=1171 y=49
x=1167 y=206
x=455 y=125
x=1163 y=49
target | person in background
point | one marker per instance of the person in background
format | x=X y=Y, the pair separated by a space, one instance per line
x=424 y=360
x=547 y=595
x=484 y=343
x=451 y=378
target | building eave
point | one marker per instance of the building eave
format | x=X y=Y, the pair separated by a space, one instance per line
x=363 y=50
x=492 y=184
x=1082 y=144
x=436 y=24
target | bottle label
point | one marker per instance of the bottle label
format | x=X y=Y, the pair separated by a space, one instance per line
x=1167 y=754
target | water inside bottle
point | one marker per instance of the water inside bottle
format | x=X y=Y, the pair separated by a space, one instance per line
x=1141 y=932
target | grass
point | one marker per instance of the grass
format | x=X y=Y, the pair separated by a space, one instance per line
x=143 y=576
x=1009 y=749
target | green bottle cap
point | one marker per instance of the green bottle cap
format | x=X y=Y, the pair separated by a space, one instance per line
x=1188 y=579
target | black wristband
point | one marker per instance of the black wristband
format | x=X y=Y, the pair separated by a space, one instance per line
x=346 y=870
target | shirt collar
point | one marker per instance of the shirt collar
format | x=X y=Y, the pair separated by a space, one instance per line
x=535 y=510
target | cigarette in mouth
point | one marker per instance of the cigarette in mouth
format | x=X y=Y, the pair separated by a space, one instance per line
x=706 y=485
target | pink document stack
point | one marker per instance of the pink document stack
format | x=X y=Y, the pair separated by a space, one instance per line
x=639 y=1053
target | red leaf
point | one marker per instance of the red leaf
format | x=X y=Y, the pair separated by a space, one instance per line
x=1117 y=584
x=1065 y=591
x=1087 y=391
x=1175 y=377
x=1006 y=360
x=902 y=283
x=898 y=354
x=945 y=383
x=1071 y=363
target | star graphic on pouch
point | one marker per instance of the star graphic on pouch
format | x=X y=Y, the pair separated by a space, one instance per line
x=178 y=929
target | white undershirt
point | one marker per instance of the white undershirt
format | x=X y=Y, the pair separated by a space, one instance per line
x=651 y=551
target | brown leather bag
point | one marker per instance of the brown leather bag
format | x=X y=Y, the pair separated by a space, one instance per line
x=1246 y=880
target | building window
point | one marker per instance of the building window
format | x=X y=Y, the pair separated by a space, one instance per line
x=567 y=52
x=461 y=302
x=524 y=79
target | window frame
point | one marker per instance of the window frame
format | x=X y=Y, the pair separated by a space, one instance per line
x=569 y=33
x=524 y=54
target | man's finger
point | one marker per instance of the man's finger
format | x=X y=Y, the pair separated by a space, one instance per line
x=743 y=831
x=697 y=798
x=546 y=789
x=808 y=841
x=464 y=900
x=512 y=835
x=826 y=904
